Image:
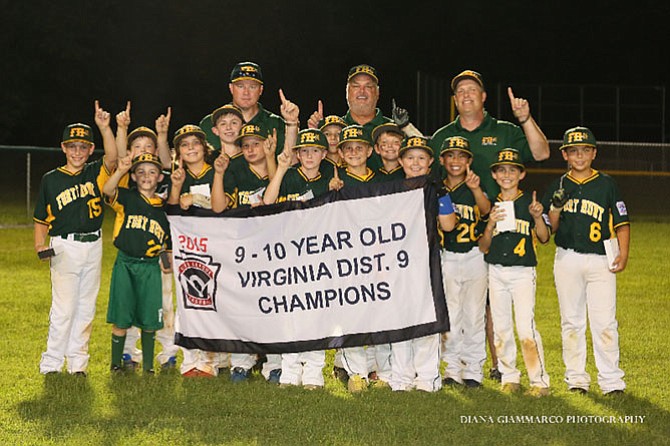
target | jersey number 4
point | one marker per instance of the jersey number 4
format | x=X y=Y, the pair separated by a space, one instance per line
x=520 y=248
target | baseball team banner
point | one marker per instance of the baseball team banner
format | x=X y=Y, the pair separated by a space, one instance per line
x=355 y=267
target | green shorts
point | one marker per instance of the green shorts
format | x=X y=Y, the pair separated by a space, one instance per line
x=135 y=293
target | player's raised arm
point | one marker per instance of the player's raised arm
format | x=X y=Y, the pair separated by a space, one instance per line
x=110 y=187
x=291 y=114
x=539 y=146
x=316 y=117
x=272 y=190
x=122 y=124
x=541 y=230
x=497 y=214
x=473 y=182
x=401 y=118
x=446 y=214
x=162 y=127
x=335 y=183
x=218 y=198
x=177 y=181
x=270 y=147
x=102 y=120
x=558 y=200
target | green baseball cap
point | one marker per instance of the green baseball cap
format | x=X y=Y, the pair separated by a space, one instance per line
x=363 y=69
x=353 y=133
x=415 y=142
x=454 y=143
x=188 y=129
x=251 y=130
x=508 y=156
x=332 y=120
x=387 y=127
x=311 y=138
x=467 y=74
x=578 y=136
x=246 y=71
x=77 y=133
x=146 y=158
x=226 y=109
x=142 y=131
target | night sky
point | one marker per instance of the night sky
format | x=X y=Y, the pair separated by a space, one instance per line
x=57 y=57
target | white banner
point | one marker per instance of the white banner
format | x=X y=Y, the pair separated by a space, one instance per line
x=350 y=272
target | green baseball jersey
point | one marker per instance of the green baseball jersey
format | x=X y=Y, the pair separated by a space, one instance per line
x=396 y=174
x=485 y=142
x=327 y=166
x=470 y=225
x=375 y=161
x=163 y=189
x=264 y=118
x=351 y=179
x=70 y=203
x=295 y=186
x=240 y=181
x=515 y=248
x=194 y=182
x=141 y=227
x=592 y=213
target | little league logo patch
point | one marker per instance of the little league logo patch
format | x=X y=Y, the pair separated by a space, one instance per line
x=196 y=275
x=621 y=207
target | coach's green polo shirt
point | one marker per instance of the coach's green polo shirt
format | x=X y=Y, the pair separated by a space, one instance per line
x=485 y=142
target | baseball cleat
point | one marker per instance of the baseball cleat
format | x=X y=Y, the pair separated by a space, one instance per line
x=538 y=392
x=471 y=383
x=379 y=384
x=450 y=382
x=128 y=362
x=239 y=375
x=357 y=384
x=171 y=363
x=510 y=387
x=579 y=390
x=341 y=374
x=495 y=374
x=274 y=376
x=311 y=387
x=614 y=392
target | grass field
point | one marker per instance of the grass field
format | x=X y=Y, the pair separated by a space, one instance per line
x=167 y=409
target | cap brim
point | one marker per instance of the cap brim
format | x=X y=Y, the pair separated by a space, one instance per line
x=77 y=140
x=507 y=163
x=155 y=163
x=457 y=79
x=365 y=141
x=424 y=148
x=247 y=78
x=300 y=146
x=227 y=111
x=361 y=72
x=565 y=146
x=456 y=149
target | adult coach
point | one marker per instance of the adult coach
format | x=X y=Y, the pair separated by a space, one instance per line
x=246 y=88
x=362 y=98
x=486 y=134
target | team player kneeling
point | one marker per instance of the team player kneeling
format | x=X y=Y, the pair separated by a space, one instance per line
x=489 y=243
